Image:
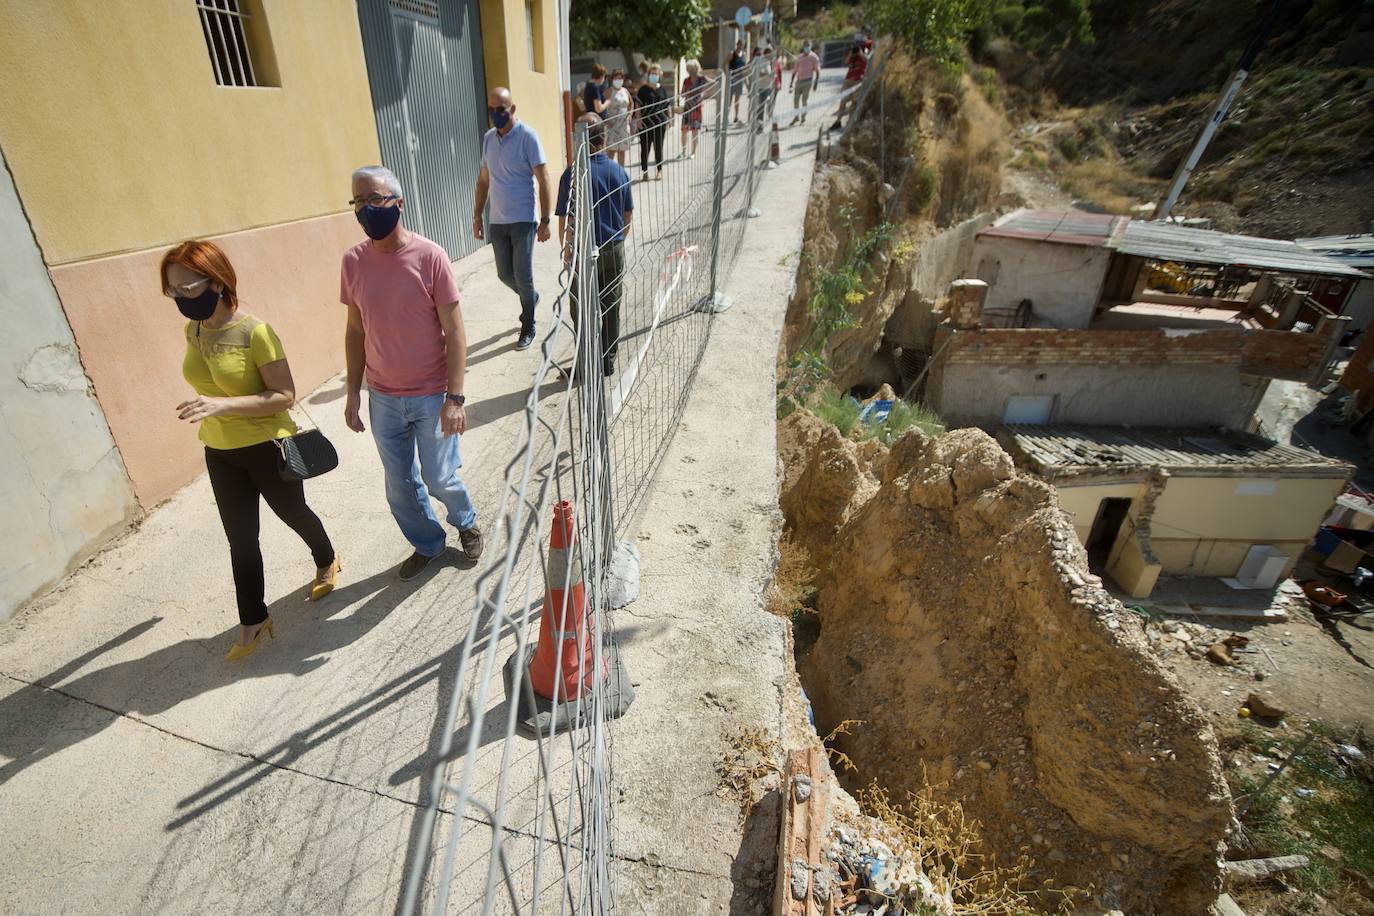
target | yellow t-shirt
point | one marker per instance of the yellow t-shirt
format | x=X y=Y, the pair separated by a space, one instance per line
x=223 y=362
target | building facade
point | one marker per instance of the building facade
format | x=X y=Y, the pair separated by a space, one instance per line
x=126 y=128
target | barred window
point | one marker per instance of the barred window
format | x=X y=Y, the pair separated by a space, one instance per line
x=421 y=9
x=240 y=51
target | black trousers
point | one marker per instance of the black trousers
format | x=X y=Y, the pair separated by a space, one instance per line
x=651 y=136
x=610 y=278
x=239 y=476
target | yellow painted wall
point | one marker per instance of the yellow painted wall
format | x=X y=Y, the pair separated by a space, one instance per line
x=1209 y=508
x=1201 y=526
x=1128 y=567
x=120 y=140
x=1081 y=502
x=505 y=54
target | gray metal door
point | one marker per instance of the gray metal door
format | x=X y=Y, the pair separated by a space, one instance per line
x=424 y=64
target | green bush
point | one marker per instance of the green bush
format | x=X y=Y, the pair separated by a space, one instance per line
x=903 y=417
x=837 y=408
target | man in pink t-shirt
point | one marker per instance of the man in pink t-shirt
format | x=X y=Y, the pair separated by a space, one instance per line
x=806 y=73
x=405 y=330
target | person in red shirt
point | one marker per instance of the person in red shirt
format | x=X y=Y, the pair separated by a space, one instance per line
x=691 y=103
x=856 y=66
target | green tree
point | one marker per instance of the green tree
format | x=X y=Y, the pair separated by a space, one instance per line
x=932 y=28
x=654 y=28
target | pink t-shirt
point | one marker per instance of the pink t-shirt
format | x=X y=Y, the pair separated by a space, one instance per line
x=807 y=65
x=398 y=294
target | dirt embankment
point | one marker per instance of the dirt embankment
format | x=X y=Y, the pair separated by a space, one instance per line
x=959 y=623
x=926 y=153
x=1112 y=120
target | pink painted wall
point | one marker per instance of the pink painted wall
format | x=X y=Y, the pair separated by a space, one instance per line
x=131 y=341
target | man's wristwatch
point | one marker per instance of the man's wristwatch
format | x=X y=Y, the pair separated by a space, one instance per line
x=544 y=221
x=456 y=398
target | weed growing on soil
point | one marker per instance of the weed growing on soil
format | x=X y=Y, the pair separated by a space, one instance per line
x=1331 y=820
x=842 y=411
x=839 y=758
x=834 y=291
x=946 y=844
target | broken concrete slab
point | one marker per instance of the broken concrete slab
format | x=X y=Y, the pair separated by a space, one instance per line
x=1251 y=870
x=1225 y=906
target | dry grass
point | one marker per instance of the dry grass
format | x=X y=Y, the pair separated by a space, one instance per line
x=1108 y=185
x=946 y=843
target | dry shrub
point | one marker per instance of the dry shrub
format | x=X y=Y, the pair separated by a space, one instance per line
x=794 y=580
x=946 y=843
x=750 y=754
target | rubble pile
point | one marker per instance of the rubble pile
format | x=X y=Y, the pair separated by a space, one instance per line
x=959 y=623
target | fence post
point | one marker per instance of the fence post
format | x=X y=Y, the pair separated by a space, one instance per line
x=755 y=114
x=718 y=300
x=596 y=456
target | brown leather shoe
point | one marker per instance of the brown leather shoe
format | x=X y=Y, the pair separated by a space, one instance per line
x=415 y=564
x=471 y=539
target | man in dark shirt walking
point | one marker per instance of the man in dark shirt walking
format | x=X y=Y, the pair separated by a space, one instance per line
x=612 y=210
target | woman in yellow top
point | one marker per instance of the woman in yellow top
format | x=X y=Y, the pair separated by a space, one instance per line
x=243 y=386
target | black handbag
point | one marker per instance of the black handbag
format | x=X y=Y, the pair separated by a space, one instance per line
x=305 y=455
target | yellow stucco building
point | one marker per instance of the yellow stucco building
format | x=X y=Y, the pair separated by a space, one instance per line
x=127 y=127
x=1151 y=502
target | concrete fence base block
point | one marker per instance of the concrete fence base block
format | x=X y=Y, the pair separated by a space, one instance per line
x=622 y=575
x=719 y=303
x=534 y=714
x=754 y=213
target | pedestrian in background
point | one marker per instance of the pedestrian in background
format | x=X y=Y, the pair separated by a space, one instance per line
x=654 y=117
x=237 y=368
x=594 y=92
x=736 y=76
x=693 y=95
x=806 y=74
x=760 y=88
x=512 y=165
x=856 y=65
x=775 y=65
x=617 y=115
x=612 y=211
x=405 y=333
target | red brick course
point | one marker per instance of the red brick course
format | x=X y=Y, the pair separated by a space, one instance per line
x=1272 y=354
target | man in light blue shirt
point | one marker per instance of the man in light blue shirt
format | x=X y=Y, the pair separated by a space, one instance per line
x=512 y=164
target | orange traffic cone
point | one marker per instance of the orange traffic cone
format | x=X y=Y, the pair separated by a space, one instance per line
x=550 y=681
x=562 y=667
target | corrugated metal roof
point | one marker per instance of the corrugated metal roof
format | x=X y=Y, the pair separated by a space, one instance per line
x=1167 y=242
x=1352 y=250
x=1063 y=227
x=1098 y=447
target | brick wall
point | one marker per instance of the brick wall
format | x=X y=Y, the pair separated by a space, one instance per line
x=1359 y=374
x=1271 y=354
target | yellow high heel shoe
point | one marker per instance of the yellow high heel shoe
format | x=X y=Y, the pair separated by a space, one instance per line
x=243 y=650
x=324 y=585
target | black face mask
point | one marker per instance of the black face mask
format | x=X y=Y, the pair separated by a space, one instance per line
x=378 y=222
x=198 y=308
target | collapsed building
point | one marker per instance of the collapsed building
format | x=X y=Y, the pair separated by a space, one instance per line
x=1125 y=361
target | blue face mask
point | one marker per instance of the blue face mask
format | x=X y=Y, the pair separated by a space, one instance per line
x=378 y=222
x=500 y=117
x=653 y=79
x=198 y=308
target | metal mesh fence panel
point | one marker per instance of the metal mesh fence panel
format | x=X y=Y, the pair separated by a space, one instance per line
x=517 y=813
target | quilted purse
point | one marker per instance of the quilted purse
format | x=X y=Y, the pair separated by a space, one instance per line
x=306 y=454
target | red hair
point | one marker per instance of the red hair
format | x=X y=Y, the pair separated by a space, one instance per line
x=208 y=260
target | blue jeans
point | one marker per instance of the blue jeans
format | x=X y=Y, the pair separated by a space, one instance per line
x=419 y=462
x=513 y=245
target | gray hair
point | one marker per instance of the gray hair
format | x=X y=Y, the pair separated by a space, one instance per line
x=388 y=177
